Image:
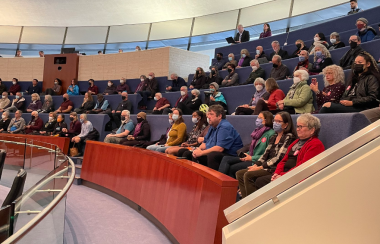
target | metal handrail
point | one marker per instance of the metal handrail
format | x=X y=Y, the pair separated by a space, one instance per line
x=307 y=169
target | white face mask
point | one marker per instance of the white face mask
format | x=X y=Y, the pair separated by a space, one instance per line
x=142 y=80
x=316 y=39
x=175 y=117
x=258 y=52
x=3 y=97
x=296 y=80
x=155 y=99
x=183 y=93
x=150 y=77
x=254 y=68
x=194 y=120
x=136 y=50
x=56 y=82
x=171 y=121
x=3 y=116
x=208 y=120
x=121 y=81
x=259 y=87
x=14 y=82
x=51 y=118
x=332 y=41
x=109 y=84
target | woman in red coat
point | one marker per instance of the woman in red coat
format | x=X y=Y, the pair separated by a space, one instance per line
x=276 y=94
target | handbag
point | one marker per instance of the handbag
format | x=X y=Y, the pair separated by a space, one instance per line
x=74 y=151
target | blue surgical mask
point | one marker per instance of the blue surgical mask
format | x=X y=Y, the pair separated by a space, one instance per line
x=318 y=53
x=212 y=90
x=277 y=127
x=230 y=58
x=259 y=122
x=175 y=117
x=17 y=97
x=301 y=58
x=243 y=55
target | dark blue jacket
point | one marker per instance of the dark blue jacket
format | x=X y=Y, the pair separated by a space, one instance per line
x=34 y=89
x=177 y=84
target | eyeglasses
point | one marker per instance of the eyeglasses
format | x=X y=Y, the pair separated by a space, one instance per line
x=300 y=126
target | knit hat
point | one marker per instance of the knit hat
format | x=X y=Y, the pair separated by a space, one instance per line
x=142 y=115
x=215 y=85
x=364 y=20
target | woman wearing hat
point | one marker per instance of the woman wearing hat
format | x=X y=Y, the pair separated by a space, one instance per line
x=214 y=96
x=141 y=133
x=365 y=32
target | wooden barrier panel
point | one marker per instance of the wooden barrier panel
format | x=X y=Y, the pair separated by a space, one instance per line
x=185 y=197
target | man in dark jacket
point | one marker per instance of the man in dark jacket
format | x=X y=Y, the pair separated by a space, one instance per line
x=242 y=35
x=349 y=57
x=354 y=7
x=279 y=70
x=278 y=51
x=111 y=89
x=35 y=124
x=257 y=72
x=149 y=89
x=125 y=104
x=183 y=100
x=177 y=83
x=260 y=53
x=34 y=88
x=18 y=103
x=219 y=62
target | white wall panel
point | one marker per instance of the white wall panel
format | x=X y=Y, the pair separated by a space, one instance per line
x=9 y=34
x=215 y=23
x=171 y=29
x=307 y=6
x=43 y=35
x=83 y=35
x=128 y=33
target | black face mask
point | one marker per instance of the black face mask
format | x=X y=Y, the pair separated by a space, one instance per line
x=72 y=118
x=213 y=72
x=33 y=117
x=218 y=57
x=229 y=70
x=139 y=120
x=197 y=72
x=122 y=117
x=192 y=96
x=298 y=46
x=358 y=68
x=353 y=45
x=123 y=97
x=275 y=65
x=64 y=99
x=89 y=83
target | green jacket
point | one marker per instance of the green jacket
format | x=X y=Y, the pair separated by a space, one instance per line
x=302 y=100
x=262 y=145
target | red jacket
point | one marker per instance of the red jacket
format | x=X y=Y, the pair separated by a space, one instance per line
x=312 y=148
x=14 y=89
x=274 y=97
x=38 y=123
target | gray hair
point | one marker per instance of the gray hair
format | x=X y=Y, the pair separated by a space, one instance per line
x=336 y=34
x=185 y=87
x=259 y=80
x=127 y=112
x=276 y=42
x=196 y=91
x=159 y=94
x=311 y=122
x=48 y=98
x=337 y=72
x=36 y=95
x=6 y=113
x=255 y=62
x=278 y=57
x=84 y=116
x=325 y=52
x=304 y=74
x=19 y=111
x=174 y=74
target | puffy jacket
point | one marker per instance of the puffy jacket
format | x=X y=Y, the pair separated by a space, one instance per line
x=302 y=100
x=367 y=35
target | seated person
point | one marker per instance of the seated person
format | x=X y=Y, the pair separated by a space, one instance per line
x=87 y=105
x=279 y=70
x=15 y=87
x=123 y=87
x=213 y=77
x=260 y=53
x=147 y=89
x=245 y=58
x=214 y=96
x=177 y=133
x=177 y=83
x=303 y=63
x=138 y=48
x=161 y=103
x=183 y=101
x=18 y=103
x=349 y=57
x=86 y=129
x=257 y=72
x=267 y=32
x=232 y=79
x=299 y=98
x=231 y=60
x=17 y=124
x=300 y=46
x=354 y=7
x=126 y=127
x=74 y=128
x=199 y=79
x=194 y=103
x=111 y=89
x=200 y=124
x=49 y=126
x=278 y=51
x=275 y=95
x=34 y=88
x=365 y=32
x=241 y=35
x=34 y=125
x=73 y=89
x=335 y=41
x=60 y=125
x=221 y=140
x=219 y=62
x=101 y=107
x=57 y=88
x=4 y=101
x=66 y=106
x=319 y=38
x=4 y=122
x=35 y=104
x=141 y=133
x=3 y=88
x=261 y=93
x=48 y=105
x=363 y=88
x=125 y=104
x=322 y=59
x=375 y=38
x=92 y=89
x=254 y=150
x=333 y=77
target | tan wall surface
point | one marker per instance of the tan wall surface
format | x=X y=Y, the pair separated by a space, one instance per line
x=24 y=69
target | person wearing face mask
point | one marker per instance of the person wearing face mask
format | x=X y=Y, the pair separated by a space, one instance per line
x=4 y=101
x=362 y=91
x=161 y=103
x=18 y=103
x=299 y=98
x=183 y=101
x=349 y=57
x=92 y=88
x=124 y=87
x=47 y=106
x=49 y=126
x=87 y=105
x=257 y=72
x=276 y=94
x=354 y=7
x=57 y=88
x=176 y=135
x=17 y=124
x=138 y=48
x=141 y=134
x=148 y=89
x=219 y=62
x=322 y=59
x=266 y=31
x=278 y=51
x=319 y=38
x=260 y=54
x=34 y=88
x=66 y=106
x=232 y=79
x=73 y=89
x=335 y=41
x=303 y=63
x=15 y=87
x=215 y=97
x=74 y=128
x=199 y=79
x=231 y=60
x=245 y=58
x=111 y=89
x=194 y=103
x=115 y=115
x=365 y=32
x=35 y=124
x=3 y=88
x=260 y=94
x=126 y=127
x=86 y=133
x=4 y=122
x=177 y=83
x=59 y=126
x=300 y=46
x=241 y=35
x=279 y=70
x=102 y=106
x=35 y=104
x=213 y=77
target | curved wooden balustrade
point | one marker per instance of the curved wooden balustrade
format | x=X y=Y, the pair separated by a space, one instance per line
x=187 y=198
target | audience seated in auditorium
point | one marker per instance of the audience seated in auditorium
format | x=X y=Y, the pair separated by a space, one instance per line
x=141 y=133
x=161 y=103
x=73 y=89
x=66 y=106
x=365 y=32
x=303 y=63
x=4 y=122
x=182 y=101
x=278 y=51
x=87 y=105
x=299 y=98
x=333 y=77
x=41 y=54
x=85 y=133
x=322 y=59
x=75 y=126
x=187 y=104
x=279 y=70
x=266 y=31
x=349 y=57
x=18 y=103
x=18 y=54
x=300 y=46
x=138 y=48
x=214 y=96
x=232 y=79
x=35 y=104
x=276 y=95
x=34 y=88
x=375 y=38
x=125 y=104
x=363 y=88
x=199 y=79
x=200 y=129
x=17 y=124
x=260 y=94
x=111 y=89
x=147 y=89
x=100 y=52
x=245 y=58
x=126 y=127
x=354 y=7
x=92 y=88
x=35 y=124
x=124 y=87
x=231 y=60
x=260 y=53
x=59 y=126
x=4 y=101
x=252 y=152
x=257 y=72
x=15 y=87
x=177 y=83
x=221 y=140
x=47 y=106
x=176 y=135
x=219 y=62
x=241 y=35
x=319 y=38
x=57 y=88
x=101 y=107
x=49 y=126
x=335 y=41
x=3 y=88
x=213 y=77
